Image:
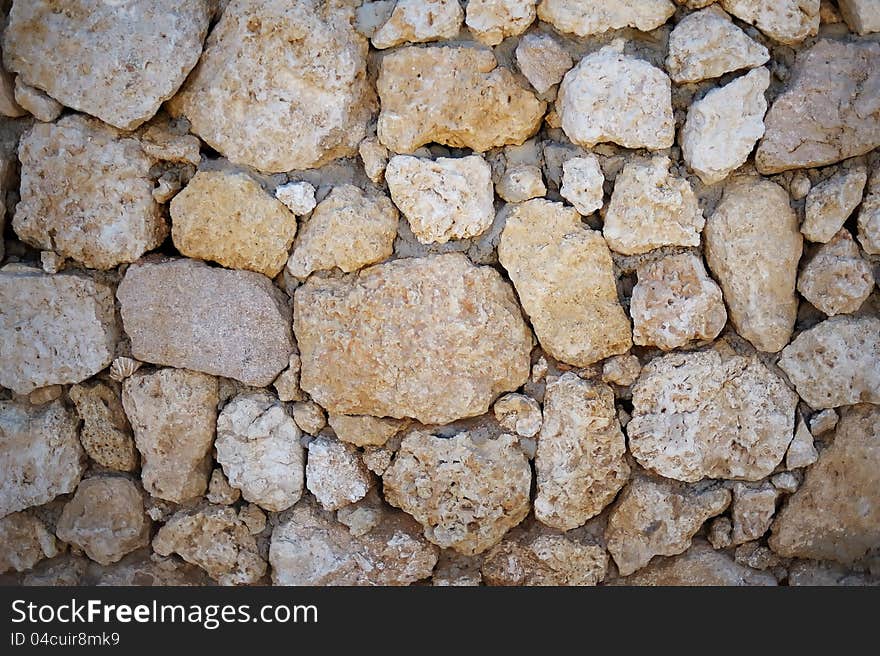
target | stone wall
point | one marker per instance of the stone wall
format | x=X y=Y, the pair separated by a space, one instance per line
x=484 y=292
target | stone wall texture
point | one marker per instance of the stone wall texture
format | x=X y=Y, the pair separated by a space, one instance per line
x=440 y=292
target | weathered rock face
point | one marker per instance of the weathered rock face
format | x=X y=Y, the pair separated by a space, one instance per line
x=563 y=274
x=86 y=193
x=542 y=60
x=492 y=21
x=651 y=208
x=786 y=21
x=186 y=314
x=835 y=515
x=229 y=219
x=656 y=517
x=258 y=445
x=580 y=460
x=419 y=21
x=309 y=416
x=117 y=65
x=582 y=181
x=836 y=279
x=40 y=454
x=752 y=511
x=836 y=362
x=215 y=539
x=831 y=202
x=105 y=518
x=721 y=128
x=753 y=247
x=335 y=473
x=311 y=548
x=173 y=413
x=696 y=415
x=869 y=217
x=520 y=183
x=675 y=302
x=610 y=96
x=54 y=329
x=42 y=106
x=364 y=430
x=828 y=113
x=348 y=230
x=24 y=541
x=466 y=494
x=519 y=414
x=442 y=199
x=106 y=434
x=457 y=96
x=302 y=114
x=801 y=452
x=586 y=18
x=544 y=559
x=298 y=197
x=453 y=328
x=862 y=16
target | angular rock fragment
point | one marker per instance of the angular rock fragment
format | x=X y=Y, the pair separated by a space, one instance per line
x=433 y=338
x=417 y=21
x=786 y=21
x=457 y=96
x=186 y=314
x=298 y=197
x=582 y=181
x=287 y=383
x=752 y=511
x=830 y=203
x=801 y=451
x=836 y=279
x=8 y=106
x=335 y=473
x=40 y=105
x=456 y=570
x=520 y=183
x=823 y=421
x=720 y=532
x=869 y=217
x=542 y=560
x=375 y=157
x=309 y=416
x=24 y=541
x=825 y=573
x=106 y=434
x=564 y=276
x=364 y=430
x=753 y=247
x=580 y=462
x=442 y=199
x=492 y=21
x=542 y=60
x=696 y=415
x=586 y=18
x=621 y=370
x=220 y=492
x=862 y=16
x=519 y=414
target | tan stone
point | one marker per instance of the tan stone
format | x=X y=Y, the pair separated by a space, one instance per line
x=520 y=183
x=823 y=421
x=542 y=60
x=586 y=18
x=40 y=105
x=674 y=302
x=309 y=416
x=298 y=197
x=753 y=247
x=544 y=560
x=830 y=203
x=457 y=96
x=363 y=430
x=229 y=219
x=829 y=110
x=186 y=314
x=786 y=21
x=24 y=541
x=836 y=362
x=220 y=491
x=752 y=511
x=117 y=65
x=348 y=230
x=720 y=532
x=466 y=494
x=835 y=515
x=287 y=383
x=801 y=451
x=492 y=21
x=518 y=414
x=106 y=434
x=418 y=21
x=658 y=517
x=862 y=16
x=869 y=216
x=836 y=279
x=563 y=274
x=698 y=415
x=824 y=573
x=455 y=570
x=335 y=473
x=375 y=158
x=433 y=338
x=281 y=85
x=582 y=181
x=165 y=141
x=173 y=413
x=8 y=106
x=145 y=568
x=621 y=370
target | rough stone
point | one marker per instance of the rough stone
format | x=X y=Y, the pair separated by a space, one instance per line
x=457 y=96
x=586 y=18
x=697 y=415
x=752 y=511
x=836 y=362
x=186 y=314
x=785 y=482
x=836 y=279
x=862 y=16
x=582 y=182
x=455 y=570
x=220 y=492
x=801 y=451
x=335 y=473
x=24 y=541
x=823 y=422
x=173 y=413
x=363 y=430
x=442 y=199
x=869 y=216
x=542 y=60
x=45 y=394
x=117 y=65
x=309 y=416
x=831 y=202
x=258 y=445
x=786 y=21
x=544 y=560
x=418 y=21
x=753 y=247
x=106 y=434
x=519 y=414
x=466 y=494
x=375 y=158
x=564 y=276
x=621 y=370
x=520 y=183
x=298 y=197
x=819 y=573
x=492 y=21
x=720 y=532
x=40 y=455
x=8 y=106
x=281 y=85
x=433 y=338
x=162 y=140
x=287 y=383
x=40 y=105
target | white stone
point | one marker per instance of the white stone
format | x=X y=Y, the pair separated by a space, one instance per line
x=786 y=21
x=862 y=16
x=41 y=106
x=299 y=197
x=582 y=181
x=830 y=203
x=801 y=451
x=418 y=21
x=518 y=413
x=590 y=17
x=492 y=21
x=521 y=183
x=335 y=473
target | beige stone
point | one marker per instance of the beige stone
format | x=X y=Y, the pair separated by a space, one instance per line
x=378 y=458
x=455 y=570
x=375 y=158
x=542 y=60
x=335 y=473
x=706 y=44
x=165 y=141
x=835 y=515
x=785 y=482
x=544 y=560
x=106 y=434
x=348 y=230
x=753 y=247
x=675 y=302
x=823 y=422
x=24 y=541
x=183 y=313
x=720 y=532
x=492 y=21
x=40 y=105
x=298 y=197
x=862 y=16
x=621 y=370
x=613 y=97
x=229 y=219
x=40 y=455
x=258 y=445
x=363 y=430
x=105 y=519
x=836 y=362
x=582 y=181
x=829 y=110
x=518 y=414
x=173 y=413
x=836 y=279
x=786 y=21
x=657 y=517
x=287 y=383
x=46 y=394
x=801 y=451
x=215 y=539
x=220 y=492
x=752 y=511
x=580 y=461
x=104 y=213
x=418 y=21
x=698 y=415
x=443 y=199
x=830 y=203
x=118 y=65
x=869 y=216
x=457 y=96
x=466 y=494
x=54 y=329
x=8 y=106
x=521 y=183
x=281 y=85
x=824 y=573
x=433 y=338
x=586 y=18
x=309 y=416
x=563 y=274
x=650 y=208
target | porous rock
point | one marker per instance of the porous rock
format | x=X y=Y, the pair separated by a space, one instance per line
x=298 y=197
x=544 y=559
x=582 y=181
x=519 y=414
x=752 y=511
x=831 y=202
x=106 y=434
x=836 y=279
x=492 y=21
x=586 y=18
x=309 y=416
x=24 y=541
x=869 y=216
x=363 y=430
x=40 y=105
x=520 y=183
x=542 y=60
x=335 y=473
x=418 y=21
